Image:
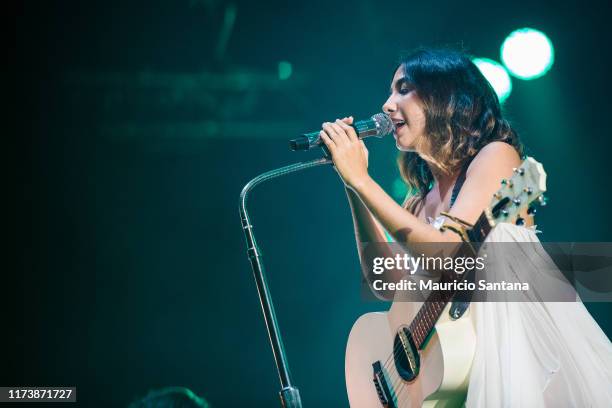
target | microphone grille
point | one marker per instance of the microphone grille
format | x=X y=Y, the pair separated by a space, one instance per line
x=384 y=122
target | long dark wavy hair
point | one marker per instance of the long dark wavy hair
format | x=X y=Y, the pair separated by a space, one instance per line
x=462 y=115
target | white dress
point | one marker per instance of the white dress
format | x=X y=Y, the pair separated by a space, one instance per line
x=537 y=354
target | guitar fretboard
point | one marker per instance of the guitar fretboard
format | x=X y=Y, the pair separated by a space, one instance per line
x=429 y=313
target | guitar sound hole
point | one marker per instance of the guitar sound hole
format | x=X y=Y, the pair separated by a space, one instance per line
x=406 y=355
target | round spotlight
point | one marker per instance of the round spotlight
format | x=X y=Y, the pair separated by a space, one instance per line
x=497 y=76
x=527 y=53
x=285 y=69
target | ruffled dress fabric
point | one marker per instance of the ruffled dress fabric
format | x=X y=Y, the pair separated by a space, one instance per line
x=537 y=353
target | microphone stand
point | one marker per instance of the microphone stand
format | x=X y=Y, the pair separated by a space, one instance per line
x=289 y=394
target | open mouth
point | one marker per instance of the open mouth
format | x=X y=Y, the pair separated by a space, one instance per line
x=399 y=125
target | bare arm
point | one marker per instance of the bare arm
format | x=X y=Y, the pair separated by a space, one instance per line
x=367 y=228
x=492 y=163
x=402 y=225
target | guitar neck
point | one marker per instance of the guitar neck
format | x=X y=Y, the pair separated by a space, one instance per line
x=429 y=313
x=526 y=186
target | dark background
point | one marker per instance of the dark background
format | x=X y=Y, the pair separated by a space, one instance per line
x=136 y=129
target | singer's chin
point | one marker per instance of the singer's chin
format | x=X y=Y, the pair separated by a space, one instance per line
x=403 y=148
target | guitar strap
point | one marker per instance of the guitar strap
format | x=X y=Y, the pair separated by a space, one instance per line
x=461 y=300
x=459 y=182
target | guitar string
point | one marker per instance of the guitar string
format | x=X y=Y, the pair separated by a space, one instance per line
x=396 y=380
x=390 y=361
x=419 y=330
x=399 y=383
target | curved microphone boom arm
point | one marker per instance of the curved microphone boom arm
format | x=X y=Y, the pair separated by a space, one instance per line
x=289 y=394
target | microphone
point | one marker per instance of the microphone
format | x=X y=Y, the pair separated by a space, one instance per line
x=378 y=125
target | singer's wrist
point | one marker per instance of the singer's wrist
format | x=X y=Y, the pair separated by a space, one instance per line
x=361 y=184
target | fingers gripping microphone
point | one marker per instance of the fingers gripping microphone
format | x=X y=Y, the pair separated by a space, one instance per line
x=378 y=125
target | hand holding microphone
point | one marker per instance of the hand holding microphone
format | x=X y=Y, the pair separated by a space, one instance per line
x=378 y=125
x=348 y=152
x=342 y=139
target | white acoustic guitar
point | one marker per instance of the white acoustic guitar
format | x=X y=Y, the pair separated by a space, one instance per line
x=415 y=355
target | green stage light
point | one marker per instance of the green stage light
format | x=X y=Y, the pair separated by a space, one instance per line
x=284 y=70
x=497 y=76
x=527 y=53
x=399 y=189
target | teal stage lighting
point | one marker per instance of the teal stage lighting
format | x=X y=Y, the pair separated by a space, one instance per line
x=497 y=76
x=399 y=189
x=285 y=69
x=527 y=53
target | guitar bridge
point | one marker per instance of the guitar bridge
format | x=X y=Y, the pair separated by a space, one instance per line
x=382 y=386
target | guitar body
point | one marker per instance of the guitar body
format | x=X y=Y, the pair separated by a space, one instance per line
x=445 y=361
x=389 y=360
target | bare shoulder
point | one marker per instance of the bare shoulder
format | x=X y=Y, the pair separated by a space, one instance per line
x=493 y=163
x=494 y=158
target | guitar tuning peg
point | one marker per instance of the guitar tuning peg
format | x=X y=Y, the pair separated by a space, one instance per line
x=542 y=200
x=498 y=195
x=516 y=201
x=531 y=210
x=520 y=221
x=504 y=213
x=528 y=190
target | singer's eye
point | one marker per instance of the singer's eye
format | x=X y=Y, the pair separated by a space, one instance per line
x=405 y=89
x=403 y=86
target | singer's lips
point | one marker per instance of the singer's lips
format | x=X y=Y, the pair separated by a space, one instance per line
x=398 y=123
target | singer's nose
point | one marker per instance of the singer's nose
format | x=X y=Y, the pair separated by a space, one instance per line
x=388 y=107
